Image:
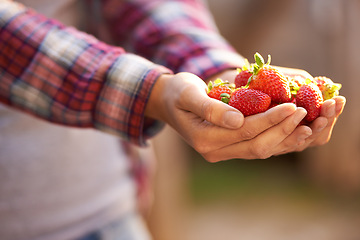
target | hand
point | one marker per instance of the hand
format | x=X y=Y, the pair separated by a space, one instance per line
x=218 y=131
x=321 y=127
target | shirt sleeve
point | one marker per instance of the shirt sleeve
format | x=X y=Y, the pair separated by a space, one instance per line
x=179 y=34
x=68 y=77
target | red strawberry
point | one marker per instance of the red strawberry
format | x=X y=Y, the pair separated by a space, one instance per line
x=244 y=74
x=220 y=90
x=270 y=81
x=309 y=97
x=328 y=88
x=242 y=78
x=249 y=101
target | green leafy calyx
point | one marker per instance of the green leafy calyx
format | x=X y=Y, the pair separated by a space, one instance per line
x=260 y=62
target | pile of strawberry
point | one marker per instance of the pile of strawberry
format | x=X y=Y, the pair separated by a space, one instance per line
x=260 y=86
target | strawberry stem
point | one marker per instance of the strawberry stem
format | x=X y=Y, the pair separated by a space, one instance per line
x=248 y=82
x=269 y=60
x=259 y=60
x=210 y=86
x=225 y=98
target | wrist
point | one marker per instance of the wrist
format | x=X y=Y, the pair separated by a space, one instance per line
x=155 y=106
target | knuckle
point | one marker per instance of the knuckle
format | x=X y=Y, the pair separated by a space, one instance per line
x=185 y=91
x=323 y=141
x=272 y=120
x=289 y=144
x=300 y=148
x=246 y=133
x=211 y=158
x=206 y=110
x=201 y=146
x=198 y=147
x=261 y=151
x=287 y=130
x=201 y=149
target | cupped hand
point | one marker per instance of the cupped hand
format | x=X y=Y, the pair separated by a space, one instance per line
x=218 y=131
x=321 y=127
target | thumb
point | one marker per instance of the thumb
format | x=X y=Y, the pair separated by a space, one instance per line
x=219 y=113
x=212 y=110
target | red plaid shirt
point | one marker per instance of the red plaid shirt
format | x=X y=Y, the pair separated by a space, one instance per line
x=69 y=77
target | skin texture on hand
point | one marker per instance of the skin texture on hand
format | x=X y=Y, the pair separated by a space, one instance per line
x=218 y=131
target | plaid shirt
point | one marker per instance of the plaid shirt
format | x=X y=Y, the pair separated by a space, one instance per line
x=69 y=77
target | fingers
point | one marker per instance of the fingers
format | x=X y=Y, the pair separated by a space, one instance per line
x=266 y=134
x=258 y=123
x=219 y=113
x=207 y=137
x=296 y=141
x=340 y=104
x=323 y=126
x=321 y=129
x=208 y=124
x=273 y=140
x=262 y=146
x=194 y=99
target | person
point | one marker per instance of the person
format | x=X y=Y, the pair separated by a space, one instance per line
x=63 y=172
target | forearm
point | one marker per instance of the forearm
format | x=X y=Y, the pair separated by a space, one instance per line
x=68 y=77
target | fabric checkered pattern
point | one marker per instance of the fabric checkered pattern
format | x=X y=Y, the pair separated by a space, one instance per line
x=178 y=34
x=69 y=77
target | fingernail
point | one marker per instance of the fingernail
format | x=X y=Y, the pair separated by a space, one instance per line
x=299 y=115
x=233 y=119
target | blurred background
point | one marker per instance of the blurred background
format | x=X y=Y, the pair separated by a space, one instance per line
x=309 y=195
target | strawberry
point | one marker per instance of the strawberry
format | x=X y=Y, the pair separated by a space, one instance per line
x=269 y=80
x=328 y=88
x=220 y=90
x=249 y=101
x=309 y=97
x=242 y=78
x=243 y=75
